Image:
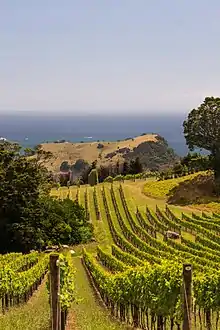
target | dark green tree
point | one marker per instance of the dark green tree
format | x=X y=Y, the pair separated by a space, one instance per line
x=103 y=172
x=178 y=169
x=202 y=130
x=93 y=177
x=64 y=166
x=117 y=169
x=64 y=179
x=29 y=218
x=126 y=168
x=84 y=175
x=135 y=166
x=23 y=181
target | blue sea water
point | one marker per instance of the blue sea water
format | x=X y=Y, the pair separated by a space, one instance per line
x=32 y=129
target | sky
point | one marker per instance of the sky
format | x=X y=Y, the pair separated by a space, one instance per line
x=108 y=56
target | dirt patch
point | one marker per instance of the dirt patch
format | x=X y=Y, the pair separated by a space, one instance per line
x=195 y=191
x=71 y=321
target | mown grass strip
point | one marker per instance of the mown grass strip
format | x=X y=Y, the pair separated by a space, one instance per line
x=34 y=315
x=89 y=313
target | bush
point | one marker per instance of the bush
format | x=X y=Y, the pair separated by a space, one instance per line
x=129 y=177
x=138 y=176
x=109 y=179
x=119 y=178
x=100 y=146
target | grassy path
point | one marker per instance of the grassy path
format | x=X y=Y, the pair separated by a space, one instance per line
x=89 y=314
x=34 y=315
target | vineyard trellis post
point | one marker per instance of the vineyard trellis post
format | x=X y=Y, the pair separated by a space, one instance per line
x=55 y=292
x=187 y=296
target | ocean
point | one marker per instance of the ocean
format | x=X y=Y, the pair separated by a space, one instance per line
x=32 y=129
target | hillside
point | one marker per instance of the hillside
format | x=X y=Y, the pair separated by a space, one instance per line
x=152 y=149
x=194 y=190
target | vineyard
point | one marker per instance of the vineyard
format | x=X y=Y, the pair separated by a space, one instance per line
x=21 y=276
x=139 y=273
x=136 y=269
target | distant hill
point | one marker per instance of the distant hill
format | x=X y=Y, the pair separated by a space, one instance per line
x=152 y=150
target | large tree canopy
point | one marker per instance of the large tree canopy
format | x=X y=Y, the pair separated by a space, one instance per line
x=202 y=130
x=202 y=127
x=29 y=218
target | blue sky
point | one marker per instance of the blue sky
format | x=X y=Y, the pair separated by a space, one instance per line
x=97 y=56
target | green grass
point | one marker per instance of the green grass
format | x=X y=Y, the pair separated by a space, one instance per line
x=89 y=314
x=103 y=224
x=135 y=196
x=160 y=189
x=34 y=315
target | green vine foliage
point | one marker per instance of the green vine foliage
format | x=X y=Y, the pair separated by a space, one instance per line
x=67 y=288
x=156 y=288
x=17 y=283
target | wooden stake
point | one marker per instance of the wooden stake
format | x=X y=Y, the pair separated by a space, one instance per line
x=187 y=296
x=55 y=291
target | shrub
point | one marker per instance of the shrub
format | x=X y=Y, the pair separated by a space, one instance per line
x=100 y=146
x=129 y=177
x=118 y=178
x=109 y=179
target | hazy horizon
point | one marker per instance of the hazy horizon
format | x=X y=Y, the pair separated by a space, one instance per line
x=97 y=56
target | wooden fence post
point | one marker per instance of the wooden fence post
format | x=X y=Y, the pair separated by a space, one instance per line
x=55 y=291
x=187 y=296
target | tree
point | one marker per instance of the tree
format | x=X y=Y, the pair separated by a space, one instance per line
x=202 y=130
x=23 y=181
x=125 y=169
x=29 y=218
x=64 y=166
x=117 y=167
x=84 y=175
x=64 y=179
x=178 y=169
x=136 y=166
x=196 y=162
x=93 y=177
x=103 y=173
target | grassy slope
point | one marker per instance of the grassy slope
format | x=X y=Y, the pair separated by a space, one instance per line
x=160 y=189
x=135 y=192
x=89 y=314
x=35 y=315
x=157 y=191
